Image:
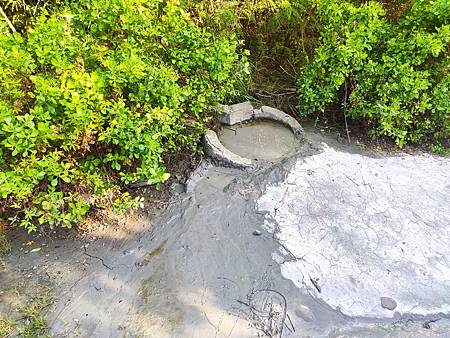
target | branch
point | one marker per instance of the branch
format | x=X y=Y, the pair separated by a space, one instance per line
x=7 y=20
x=345 y=112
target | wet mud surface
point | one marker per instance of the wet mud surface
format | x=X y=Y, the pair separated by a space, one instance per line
x=260 y=140
x=273 y=253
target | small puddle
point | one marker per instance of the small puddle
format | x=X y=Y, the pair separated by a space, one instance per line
x=260 y=140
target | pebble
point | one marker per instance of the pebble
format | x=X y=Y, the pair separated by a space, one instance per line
x=305 y=313
x=257 y=233
x=388 y=303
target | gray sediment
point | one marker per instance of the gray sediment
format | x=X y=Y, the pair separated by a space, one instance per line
x=220 y=261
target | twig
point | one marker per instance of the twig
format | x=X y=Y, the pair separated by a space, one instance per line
x=345 y=112
x=7 y=20
x=290 y=322
x=289 y=91
x=35 y=8
x=260 y=317
x=315 y=282
x=294 y=69
x=285 y=248
x=426 y=325
x=287 y=73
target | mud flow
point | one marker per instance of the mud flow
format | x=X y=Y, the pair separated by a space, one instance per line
x=259 y=140
x=328 y=241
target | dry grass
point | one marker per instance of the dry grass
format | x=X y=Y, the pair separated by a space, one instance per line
x=5 y=246
x=6 y=328
x=31 y=321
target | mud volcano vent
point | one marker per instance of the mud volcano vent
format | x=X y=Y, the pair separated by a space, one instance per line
x=251 y=135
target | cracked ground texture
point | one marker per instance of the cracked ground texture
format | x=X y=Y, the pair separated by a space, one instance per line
x=362 y=228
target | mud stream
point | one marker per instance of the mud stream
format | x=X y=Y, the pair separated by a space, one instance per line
x=304 y=247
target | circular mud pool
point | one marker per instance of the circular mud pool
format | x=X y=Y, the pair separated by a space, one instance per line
x=259 y=140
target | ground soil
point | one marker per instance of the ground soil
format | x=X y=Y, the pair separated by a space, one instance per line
x=32 y=263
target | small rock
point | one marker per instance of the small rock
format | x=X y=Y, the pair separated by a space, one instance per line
x=304 y=313
x=257 y=233
x=237 y=113
x=388 y=303
x=139 y=184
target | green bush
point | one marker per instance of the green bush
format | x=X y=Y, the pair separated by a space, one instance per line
x=274 y=30
x=396 y=74
x=95 y=93
x=386 y=63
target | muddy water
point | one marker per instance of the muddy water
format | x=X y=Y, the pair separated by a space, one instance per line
x=260 y=140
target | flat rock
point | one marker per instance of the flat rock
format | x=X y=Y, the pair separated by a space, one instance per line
x=237 y=113
x=388 y=303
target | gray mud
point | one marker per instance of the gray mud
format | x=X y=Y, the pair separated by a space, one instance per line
x=259 y=140
x=212 y=263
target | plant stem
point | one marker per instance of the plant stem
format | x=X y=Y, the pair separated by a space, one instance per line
x=7 y=20
x=345 y=112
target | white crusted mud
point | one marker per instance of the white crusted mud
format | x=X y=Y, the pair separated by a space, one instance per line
x=366 y=229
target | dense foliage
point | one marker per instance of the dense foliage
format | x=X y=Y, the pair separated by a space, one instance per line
x=394 y=74
x=98 y=91
x=273 y=30
x=384 y=62
x=94 y=93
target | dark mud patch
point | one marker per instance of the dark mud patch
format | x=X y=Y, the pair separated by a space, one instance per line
x=152 y=253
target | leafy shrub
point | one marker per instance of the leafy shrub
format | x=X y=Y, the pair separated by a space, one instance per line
x=20 y=13
x=95 y=94
x=396 y=73
x=384 y=62
x=274 y=30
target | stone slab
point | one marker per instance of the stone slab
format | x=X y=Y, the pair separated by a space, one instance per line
x=237 y=113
